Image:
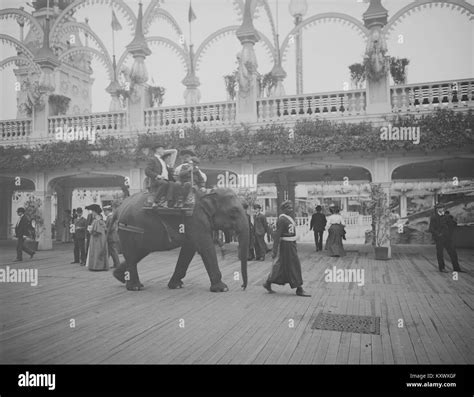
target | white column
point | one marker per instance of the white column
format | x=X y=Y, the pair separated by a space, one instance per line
x=403 y=205
x=45 y=241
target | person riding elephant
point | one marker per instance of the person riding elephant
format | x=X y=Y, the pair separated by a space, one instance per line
x=142 y=232
x=157 y=173
x=188 y=176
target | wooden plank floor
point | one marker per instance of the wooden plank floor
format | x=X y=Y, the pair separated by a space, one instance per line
x=426 y=317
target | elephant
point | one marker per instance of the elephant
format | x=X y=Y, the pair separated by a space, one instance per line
x=142 y=231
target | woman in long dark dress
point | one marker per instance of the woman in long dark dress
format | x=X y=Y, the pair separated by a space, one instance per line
x=286 y=268
x=97 y=256
x=336 y=232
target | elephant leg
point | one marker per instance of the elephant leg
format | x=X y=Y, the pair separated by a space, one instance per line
x=209 y=257
x=133 y=254
x=119 y=272
x=186 y=255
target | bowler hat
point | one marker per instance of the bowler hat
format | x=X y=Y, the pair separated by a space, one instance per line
x=21 y=209
x=188 y=152
x=155 y=146
x=195 y=160
x=257 y=207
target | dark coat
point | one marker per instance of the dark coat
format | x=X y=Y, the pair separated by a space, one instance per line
x=112 y=229
x=442 y=227
x=171 y=174
x=286 y=268
x=318 y=222
x=24 y=228
x=261 y=225
x=80 y=228
x=153 y=168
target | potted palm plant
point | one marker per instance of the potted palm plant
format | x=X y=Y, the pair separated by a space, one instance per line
x=378 y=208
x=33 y=212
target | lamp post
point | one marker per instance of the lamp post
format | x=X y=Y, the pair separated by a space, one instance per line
x=47 y=61
x=298 y=9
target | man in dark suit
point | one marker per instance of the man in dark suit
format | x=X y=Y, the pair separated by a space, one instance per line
x=261 y=228
x=173 y=196
x=318 y=224
x=251 y=253
x=23 y=228
x=113 y=240
x=80 y=228
x=442 y=228
x=89 y=220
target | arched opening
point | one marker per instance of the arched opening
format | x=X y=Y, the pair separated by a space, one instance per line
x=313 y=184
x=14 y=191
x=73 y=191
x=418 y=186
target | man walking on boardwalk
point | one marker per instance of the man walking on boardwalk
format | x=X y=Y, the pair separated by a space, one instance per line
x=286 y=267
x=442 y=228
x=261 y=227
x=318 y=224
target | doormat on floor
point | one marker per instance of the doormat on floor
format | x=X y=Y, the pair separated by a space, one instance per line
x=347 y=323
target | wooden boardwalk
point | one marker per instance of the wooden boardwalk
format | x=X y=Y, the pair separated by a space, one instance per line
x=114 y=326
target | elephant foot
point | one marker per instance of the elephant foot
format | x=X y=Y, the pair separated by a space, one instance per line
x=119 y=275
x=175 y=284
x=219 y=287
x=134 y=286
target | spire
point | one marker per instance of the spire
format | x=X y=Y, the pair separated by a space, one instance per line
x=45 y=57
x=138 y=46
x=247 y=32
x=192 y=95
x=191 y=80
x=375 y=15
x=278 y=70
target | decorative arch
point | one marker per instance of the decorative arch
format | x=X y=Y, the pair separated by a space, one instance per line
x=419 y=4
x=99 y=56
x=72 y=26
x=153 y=12
x=165 y=42
x=8 y=61
x=402 y=162
x=78 y=4
x=19 y=46
x=325 y=17
x=212 y=38
x=8 y=13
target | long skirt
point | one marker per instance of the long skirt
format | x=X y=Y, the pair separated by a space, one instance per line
x=97 y=256
x=286 y=268
x=334 y=241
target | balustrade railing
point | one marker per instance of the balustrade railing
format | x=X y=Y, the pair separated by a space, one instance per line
x=337 y=104
x=12 y=130
x=404 y=98
x=102 y=123
x=429 y=96
x=219 y=113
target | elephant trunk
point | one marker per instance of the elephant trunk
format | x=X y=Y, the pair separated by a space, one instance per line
x=244 y=238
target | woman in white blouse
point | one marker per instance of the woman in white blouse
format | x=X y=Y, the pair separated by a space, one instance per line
x=335 y=225
x=334 y=218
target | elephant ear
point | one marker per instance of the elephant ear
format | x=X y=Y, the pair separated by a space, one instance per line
x=208 y=203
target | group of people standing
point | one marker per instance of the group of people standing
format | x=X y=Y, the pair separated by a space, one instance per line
x=334 y=224
x=95 y=239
